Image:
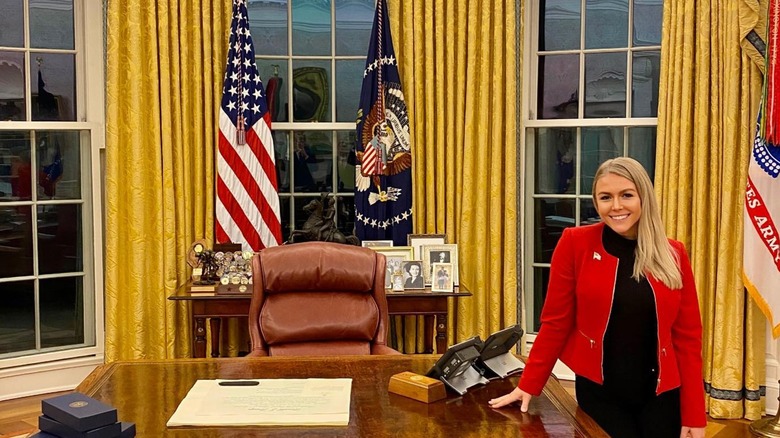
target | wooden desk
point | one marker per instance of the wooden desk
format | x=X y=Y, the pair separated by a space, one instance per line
x=432 y=305
x=148 y=392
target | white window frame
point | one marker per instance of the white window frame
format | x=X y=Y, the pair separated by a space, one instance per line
x=64 y=369
x=529 y=121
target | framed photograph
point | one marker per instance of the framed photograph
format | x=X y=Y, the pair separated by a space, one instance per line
x=447 y=253
x=442 y=277
x=416 y=241
x=413 y=274
x=395 y=255
x=375 y=243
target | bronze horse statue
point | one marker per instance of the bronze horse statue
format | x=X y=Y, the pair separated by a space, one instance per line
x=321 y=226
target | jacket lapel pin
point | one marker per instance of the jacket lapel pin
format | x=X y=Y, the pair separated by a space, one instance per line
x=596 y=256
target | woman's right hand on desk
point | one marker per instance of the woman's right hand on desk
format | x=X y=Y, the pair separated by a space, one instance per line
x=517 y=395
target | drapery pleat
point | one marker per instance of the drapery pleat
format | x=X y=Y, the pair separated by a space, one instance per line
x=165 y=61
x=458 y=69
x=709 y=94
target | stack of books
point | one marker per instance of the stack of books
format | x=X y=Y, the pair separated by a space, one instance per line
x=78 y=416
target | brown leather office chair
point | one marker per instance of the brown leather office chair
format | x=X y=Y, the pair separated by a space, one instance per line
x=318 y=298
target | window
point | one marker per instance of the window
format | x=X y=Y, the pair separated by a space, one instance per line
x=593 y=95
x=311 y=55
x=48 y=237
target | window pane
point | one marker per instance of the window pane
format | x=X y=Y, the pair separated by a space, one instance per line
x=60 y=239
x=560 y=24
x=16 y=241
x=605 y=85
x=346 y=161
x=541 y=278
x=284 y=206
x=551 y=217
x=606 y=23
x=648 y=16
x=15 y=166
x=313 y=158
x=302 y=212
x=555 y=161
x=598 y=145
x=268 y=26
x=17 y=316
x=275 y=77
x=12 y=25
x=588 y=213
x=646 y=76
x=311 y=91
x=349 y=80
x=311 y=27
x=558 y=85
x=354 y=19
x=53 y=86
x=62 y=311
x=51 y=24
x=59 y=165
x=345 y=214
x=641 y=147
x=282 y=151
x=12 y=103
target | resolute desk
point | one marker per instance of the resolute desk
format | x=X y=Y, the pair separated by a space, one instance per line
x=147 y=393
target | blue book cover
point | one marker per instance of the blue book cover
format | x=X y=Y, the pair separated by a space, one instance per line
x=52 y=426
x=79 y=411
x=128 y=430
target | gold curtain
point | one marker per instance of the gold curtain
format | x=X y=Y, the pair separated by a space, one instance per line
x=458 y=65
x=709 y=94
x=165 y=60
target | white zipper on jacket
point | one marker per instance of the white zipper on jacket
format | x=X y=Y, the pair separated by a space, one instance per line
x=657 y=336
x=609 y=316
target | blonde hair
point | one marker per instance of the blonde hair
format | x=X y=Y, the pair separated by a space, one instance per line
x=654 y=254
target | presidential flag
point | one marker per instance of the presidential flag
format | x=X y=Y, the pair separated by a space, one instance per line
x=383 y=178
x=247 y=193
x=761 y=264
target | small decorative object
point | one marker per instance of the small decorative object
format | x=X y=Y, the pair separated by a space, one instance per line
x=321 y=226
x=373 y=243
x=417 y=241
x=413 y=274
x=447 y=253
x=442 y=277
x=417 y=387
x=398 y=282
x=394 y=255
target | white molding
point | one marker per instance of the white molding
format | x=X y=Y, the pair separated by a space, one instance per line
x=46 y=378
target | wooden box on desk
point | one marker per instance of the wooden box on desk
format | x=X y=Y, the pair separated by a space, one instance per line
x=417 y=387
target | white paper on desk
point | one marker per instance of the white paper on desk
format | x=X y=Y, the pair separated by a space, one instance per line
x=292 y=402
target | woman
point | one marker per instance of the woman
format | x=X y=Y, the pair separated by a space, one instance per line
x=621 y=311
x=415 y=280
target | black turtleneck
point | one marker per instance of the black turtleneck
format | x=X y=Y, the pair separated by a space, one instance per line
x=631 y=340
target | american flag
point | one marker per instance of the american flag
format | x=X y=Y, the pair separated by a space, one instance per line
x=383 y=180
x=247 y=192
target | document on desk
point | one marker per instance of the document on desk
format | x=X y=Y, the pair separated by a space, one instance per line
x=291 y=402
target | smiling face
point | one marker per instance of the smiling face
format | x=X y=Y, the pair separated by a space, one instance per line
x=414 y=270
x=618 y=204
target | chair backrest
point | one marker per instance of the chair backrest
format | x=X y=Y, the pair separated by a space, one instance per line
x=317 y=298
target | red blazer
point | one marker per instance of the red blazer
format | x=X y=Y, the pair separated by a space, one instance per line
x=577 y=309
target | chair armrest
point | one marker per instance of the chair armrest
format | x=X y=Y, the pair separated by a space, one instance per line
x=257 y=353
x=383 y=349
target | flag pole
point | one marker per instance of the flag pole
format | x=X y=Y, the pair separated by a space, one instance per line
x=767 y=427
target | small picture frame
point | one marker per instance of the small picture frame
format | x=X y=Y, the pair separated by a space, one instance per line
x=376 y=243
x=413 y=274
x=394 y=255
x=417 y=241
x=442 y=277
x=447 y=253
